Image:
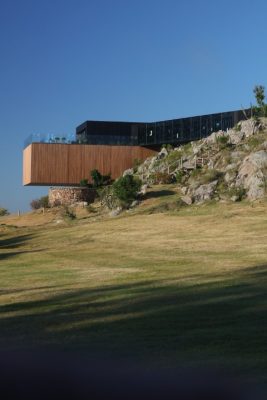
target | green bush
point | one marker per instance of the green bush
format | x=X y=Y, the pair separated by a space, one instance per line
x=126 y=188
x=84 y=182
x=99 y=179
x=222 y=141
x=3 y=212
x=179 y=176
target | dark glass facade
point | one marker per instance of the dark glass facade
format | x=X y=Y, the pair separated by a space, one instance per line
x=175 y=131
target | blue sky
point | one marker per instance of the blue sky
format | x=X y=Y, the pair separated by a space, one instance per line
x=65 y=61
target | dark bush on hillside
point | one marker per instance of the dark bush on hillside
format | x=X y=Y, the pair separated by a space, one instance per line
x=126 y=188
x=3 y=212
x=99 y=179
x=42 y=202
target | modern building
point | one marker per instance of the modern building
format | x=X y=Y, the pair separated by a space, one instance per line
x=111 y=147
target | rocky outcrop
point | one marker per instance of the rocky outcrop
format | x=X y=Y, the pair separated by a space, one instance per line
x=227 y=165
x=204 y=192
x=252 y=174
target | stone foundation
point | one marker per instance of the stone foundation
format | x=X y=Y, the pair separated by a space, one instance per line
x=71 y=195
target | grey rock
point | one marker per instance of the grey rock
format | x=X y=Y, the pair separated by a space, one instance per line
x=143 y=189
x=187 y=200
x=163 y=153
x=235 y=137
x=249 y=127
x=204 y=192
x=116 y=212
x=234 y=198
x=251 y=174
x=229 y=176
x=129 y=171
x=134 y=203
x=212 y=139
x=184 y=190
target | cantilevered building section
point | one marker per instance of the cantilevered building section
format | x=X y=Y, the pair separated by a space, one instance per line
x=111 y=147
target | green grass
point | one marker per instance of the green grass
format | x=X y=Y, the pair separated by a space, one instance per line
x=188 y=286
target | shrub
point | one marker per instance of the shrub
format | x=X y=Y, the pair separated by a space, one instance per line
x=240 y=192
x=42 y=202
x=84 y=182
x=179 y=176
x=3 y=212
x=162 y=178
x=126 y=188
x=99 y=179
x=108 y=198
x=168 y=147
x=210 y=176
x=68 y=213
x=222 y=141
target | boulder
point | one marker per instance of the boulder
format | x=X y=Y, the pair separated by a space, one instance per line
x=249 y=127
x=115 y=212
x=204 y=192
x=235 y=136
x=134 y=203
x=251 y=174
x=163 y=153
x=129 y=171
x=187 y=200
x=212 y=139
x=184 y=190
x=229 y=176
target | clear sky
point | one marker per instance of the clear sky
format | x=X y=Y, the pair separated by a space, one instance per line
x=66 y=61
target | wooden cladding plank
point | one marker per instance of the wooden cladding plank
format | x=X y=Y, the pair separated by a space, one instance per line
x=63 y=164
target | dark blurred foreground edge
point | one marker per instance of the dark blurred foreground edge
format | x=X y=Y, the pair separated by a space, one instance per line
x=42 y=375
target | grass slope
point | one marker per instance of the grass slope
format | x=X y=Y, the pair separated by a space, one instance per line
x=163 y=288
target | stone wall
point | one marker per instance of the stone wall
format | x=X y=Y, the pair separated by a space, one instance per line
x=70 y=195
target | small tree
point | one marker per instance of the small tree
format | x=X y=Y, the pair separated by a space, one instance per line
x=259 y=95
x=97 y=178
x=3 y=212
x=126 y=188
x=39 y=203
x=261 y=109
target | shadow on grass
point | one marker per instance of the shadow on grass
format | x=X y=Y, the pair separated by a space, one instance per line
x=5 y=256
x=14 y=242
x=160 y=193
x=152 y=320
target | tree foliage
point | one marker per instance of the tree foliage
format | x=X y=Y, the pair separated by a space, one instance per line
x=126 y=188
x=42 y=202
x=259 y=92
x=3 y=212
x=99 y=179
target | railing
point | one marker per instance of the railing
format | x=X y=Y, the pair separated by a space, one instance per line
x=50 y=138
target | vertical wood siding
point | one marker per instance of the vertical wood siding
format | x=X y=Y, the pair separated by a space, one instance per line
x=64 y=164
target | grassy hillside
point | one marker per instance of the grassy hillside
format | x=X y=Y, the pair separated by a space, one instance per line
x=187 y=285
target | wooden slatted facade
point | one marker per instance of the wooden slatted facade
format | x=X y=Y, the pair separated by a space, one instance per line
x=66 y=164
